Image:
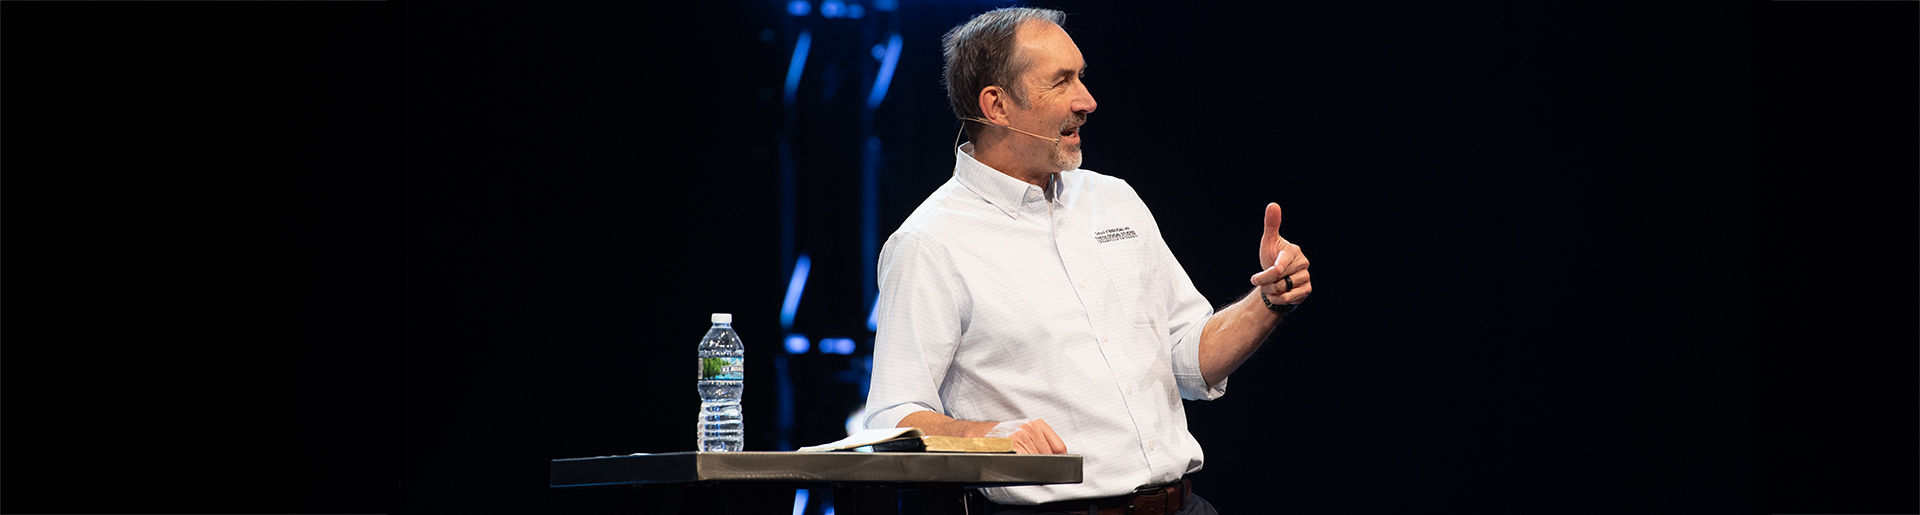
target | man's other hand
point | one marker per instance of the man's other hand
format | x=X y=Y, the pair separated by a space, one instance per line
x=1030 y=436
x=1282 y=261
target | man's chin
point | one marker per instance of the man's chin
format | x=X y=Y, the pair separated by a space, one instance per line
x=1069 y=161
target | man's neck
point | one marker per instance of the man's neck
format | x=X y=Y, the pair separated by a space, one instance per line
x=1000 y=158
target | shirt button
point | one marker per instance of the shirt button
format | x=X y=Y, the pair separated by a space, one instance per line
x=1104 y=338
x=1083 y=285
x=1151 y=445
x=1129 y=390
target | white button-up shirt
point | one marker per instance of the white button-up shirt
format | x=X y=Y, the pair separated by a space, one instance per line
x=999 y=303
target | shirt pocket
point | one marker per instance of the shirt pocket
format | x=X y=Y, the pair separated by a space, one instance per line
x=1129 y=265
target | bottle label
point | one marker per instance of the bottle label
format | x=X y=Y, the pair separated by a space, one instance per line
x=722 y=368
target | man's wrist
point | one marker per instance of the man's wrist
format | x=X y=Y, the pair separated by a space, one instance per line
x=1279 y=309
x=962 y=428
x=973 y=429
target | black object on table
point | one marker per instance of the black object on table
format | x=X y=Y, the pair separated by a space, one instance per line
x=862 y=483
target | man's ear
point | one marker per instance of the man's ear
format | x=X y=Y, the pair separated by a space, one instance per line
x=993 y=105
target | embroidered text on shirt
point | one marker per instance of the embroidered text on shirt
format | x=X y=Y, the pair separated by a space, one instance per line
x=1119 y=233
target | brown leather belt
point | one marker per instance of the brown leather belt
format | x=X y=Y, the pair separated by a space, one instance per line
x=1150 y=500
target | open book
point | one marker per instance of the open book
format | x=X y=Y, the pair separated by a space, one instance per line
x=912 y=439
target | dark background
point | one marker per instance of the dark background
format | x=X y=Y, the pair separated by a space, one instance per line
x=392 y=258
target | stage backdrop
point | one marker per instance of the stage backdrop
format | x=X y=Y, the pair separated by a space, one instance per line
x=387 y=257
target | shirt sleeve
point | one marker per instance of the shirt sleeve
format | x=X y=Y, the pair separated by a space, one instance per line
x=921 y=313
x=1187 y=313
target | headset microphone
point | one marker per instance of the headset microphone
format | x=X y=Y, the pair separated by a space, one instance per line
x=1055 y=141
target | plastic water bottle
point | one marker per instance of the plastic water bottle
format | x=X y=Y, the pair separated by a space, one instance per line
x=722 y=364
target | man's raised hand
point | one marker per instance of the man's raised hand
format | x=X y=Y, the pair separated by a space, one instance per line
x=1283 y=262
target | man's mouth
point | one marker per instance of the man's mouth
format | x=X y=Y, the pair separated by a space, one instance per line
x=1069 y=132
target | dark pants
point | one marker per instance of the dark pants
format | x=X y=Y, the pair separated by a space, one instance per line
x=1192 y=505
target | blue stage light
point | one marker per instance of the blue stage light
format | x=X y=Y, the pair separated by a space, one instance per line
x=795 y=287
x=886 y=72
x=798 y=344
x=873 y=317
x=886 y=5
x=799 y=7
x=855 y=11
x=798 y=63
x=836 y=346
x=800 y=501
x=832 y=8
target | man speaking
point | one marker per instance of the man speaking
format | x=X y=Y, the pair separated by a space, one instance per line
x=1031 y=299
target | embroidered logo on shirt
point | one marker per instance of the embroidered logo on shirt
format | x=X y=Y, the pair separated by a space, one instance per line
x=1115 y=234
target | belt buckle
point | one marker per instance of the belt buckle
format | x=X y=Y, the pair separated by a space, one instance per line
x=1149 y=501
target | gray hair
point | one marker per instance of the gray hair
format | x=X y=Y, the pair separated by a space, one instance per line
x=980 y=53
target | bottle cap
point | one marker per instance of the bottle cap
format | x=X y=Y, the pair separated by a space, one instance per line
x=723 y=318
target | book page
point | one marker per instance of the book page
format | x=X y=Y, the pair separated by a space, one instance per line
x=865 y=438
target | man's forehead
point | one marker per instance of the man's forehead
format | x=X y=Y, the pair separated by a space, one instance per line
x=1047 y=47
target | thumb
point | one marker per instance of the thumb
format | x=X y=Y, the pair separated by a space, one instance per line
x=1272 y=234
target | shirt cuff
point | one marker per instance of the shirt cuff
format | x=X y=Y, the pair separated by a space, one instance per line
x=890 y=417
x=1186 y=372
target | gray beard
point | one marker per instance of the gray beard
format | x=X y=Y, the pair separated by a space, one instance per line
x=1067 y=159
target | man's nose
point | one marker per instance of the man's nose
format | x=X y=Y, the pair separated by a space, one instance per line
x=1085 y=103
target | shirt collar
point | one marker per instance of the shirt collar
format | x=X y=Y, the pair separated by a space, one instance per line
x=1001 y=190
